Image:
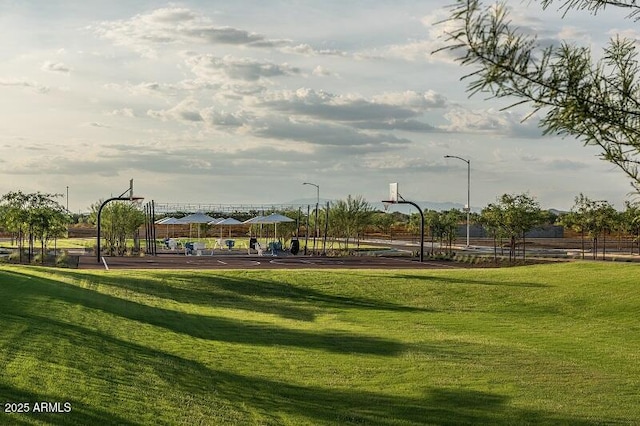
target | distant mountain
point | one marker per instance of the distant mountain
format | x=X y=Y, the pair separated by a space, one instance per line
x=406 y=208
x=425 y=205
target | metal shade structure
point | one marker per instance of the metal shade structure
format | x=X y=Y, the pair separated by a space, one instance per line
x=197 y=218
x=168 y=221
x=225 y=222
x=274 y=218
x=228 y=222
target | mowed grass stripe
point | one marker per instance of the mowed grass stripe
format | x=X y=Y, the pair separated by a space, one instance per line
x=545 y=344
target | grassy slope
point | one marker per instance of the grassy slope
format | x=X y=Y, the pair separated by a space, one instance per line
x=542 y=344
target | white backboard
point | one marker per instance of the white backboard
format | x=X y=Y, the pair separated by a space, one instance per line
x=393 y=192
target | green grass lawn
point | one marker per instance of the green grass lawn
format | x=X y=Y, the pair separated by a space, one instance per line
x=545 y=344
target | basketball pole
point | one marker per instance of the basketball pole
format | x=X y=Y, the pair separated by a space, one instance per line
x=396 y=198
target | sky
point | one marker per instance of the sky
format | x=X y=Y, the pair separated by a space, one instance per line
x=219 y=102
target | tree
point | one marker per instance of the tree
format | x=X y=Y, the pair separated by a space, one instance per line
x=384 y=222
x=120 y=221
x=593 y=218
x=513 y=216
x=604 y=221
x=491 y=219
x=349 y=218
x=631 y=219
x=597 y=102
x=413 y=226
x=450 y=220
x=578 y=219
x=432 y=220
x=33 y=216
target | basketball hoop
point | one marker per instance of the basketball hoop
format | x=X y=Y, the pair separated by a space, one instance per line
x=393 y=192
x=396 y=198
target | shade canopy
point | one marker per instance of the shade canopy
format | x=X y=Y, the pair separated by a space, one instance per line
x=228 y=221
x=196 y=218
x=272 y=218
x=168 y=221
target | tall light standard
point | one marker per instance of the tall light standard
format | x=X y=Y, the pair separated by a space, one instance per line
x=468 y=206
x=315 y=227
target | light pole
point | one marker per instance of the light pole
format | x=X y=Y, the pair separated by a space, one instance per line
x=468 y=206
x=315 y=226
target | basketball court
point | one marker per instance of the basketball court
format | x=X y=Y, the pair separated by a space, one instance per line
x=179 y=261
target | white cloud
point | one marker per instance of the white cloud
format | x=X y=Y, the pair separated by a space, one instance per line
x=322 y=133
x=186 y=112
x=20 y=82
x=124 y=112
x=144 y=33
x=228 y=67
x=387 y=107
x=57 y=67
x=491 y=121
x=321 y=71
x=307 y=50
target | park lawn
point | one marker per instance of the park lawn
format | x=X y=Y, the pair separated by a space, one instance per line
x=543 y=344
x=60 y=243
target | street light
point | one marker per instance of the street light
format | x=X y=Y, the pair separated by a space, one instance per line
x=468 y=206
x=316 y=229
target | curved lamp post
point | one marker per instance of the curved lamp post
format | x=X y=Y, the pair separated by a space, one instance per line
x=468 y=207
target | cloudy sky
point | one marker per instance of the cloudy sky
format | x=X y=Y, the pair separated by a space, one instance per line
x=242 y=102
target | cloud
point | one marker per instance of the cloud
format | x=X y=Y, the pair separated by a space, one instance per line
x=176 y=160
x=124 y=112
x=57 y=67
x=220 y=118
x=38 y=88
x=96 y=124
x=186 y=112
x=212 y=67
x=321 y=71
x=176 y=26
x=308 y=50
x=408 y=125
x=388 y=108
x=326 y=134
x=491 y=122
x=565 y=164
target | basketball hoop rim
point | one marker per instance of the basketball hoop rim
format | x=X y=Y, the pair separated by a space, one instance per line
x=387 y=203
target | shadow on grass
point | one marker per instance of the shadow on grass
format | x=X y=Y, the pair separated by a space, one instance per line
x=80 y=414
x=469 y=281
x=226 y=290
x=204 y=327
x=248 y=399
